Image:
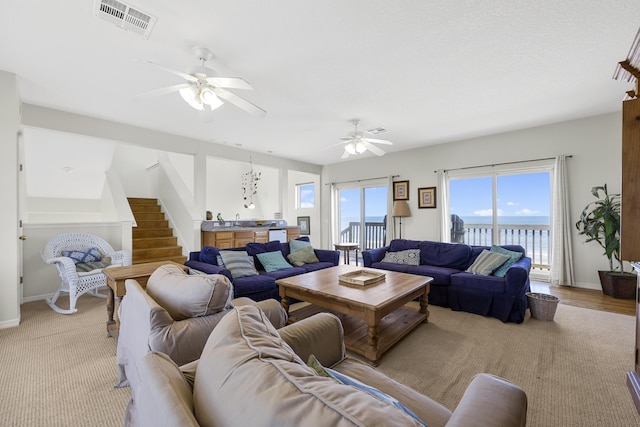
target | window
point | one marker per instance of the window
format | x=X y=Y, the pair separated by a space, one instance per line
x=305 y=195
x=511 y=207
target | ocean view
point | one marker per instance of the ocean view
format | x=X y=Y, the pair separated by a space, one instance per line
x=515 y=220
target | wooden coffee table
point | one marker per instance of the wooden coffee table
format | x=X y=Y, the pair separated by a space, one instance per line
x=116 y=276
x=374 y=317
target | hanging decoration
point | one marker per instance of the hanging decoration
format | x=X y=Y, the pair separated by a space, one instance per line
x=250 y=186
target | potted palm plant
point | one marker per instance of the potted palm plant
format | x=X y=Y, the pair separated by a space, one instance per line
x=600 y=222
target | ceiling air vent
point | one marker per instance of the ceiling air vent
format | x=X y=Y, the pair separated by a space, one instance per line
x=377 y=131
x=125 y=16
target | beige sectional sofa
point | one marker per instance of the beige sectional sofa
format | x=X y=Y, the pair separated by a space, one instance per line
x=251 y=374
x=175 y=316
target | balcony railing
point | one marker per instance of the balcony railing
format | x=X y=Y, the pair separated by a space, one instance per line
x=374 y=234
x=534 y=238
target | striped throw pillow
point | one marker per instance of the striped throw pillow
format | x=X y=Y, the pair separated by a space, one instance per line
x=239 y=263
x=487 y=262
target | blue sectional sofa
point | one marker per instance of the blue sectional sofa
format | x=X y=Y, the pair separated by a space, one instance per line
x=488 y=295
x=260 y=286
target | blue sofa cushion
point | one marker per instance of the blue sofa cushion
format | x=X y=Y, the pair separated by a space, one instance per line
x=245 y=286
x=401 y=268
x=255 y=248
x=316 y=266
x=513 y=257
x=273 y=261
x=441 y=275
x=444 y=254
x=209 y=254
x=398 y=245
x=281 y=274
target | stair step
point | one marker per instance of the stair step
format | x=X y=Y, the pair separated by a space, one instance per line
x=178 y=259
x=142 y=233
x=154 y=242
x=145 y=208
x=152 y=224
x=142 y=201
x=149 y=216
x=167 y=251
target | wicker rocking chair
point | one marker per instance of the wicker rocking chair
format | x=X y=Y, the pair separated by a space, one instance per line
x=76 y=283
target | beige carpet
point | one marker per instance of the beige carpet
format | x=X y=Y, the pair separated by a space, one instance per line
x=59 y=370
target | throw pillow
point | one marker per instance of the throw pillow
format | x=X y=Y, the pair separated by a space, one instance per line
x=341 y=378
x=513 y=257
x=255 y=248
x=487 y=262
x=88 y=255
x=85 y=267
x=273 y=261
x=409 y=257
x=209 y=254
x=185 y=296
x=295 y=245
x=303 y=256
x=239 y=263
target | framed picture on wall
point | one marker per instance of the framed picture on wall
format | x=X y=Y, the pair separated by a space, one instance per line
x=401 y=190
x=427 y=197
x=303 y=223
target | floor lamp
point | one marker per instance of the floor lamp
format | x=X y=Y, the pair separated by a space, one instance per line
x=400 y=209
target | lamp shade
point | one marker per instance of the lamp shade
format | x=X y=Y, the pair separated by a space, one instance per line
x=401 y=208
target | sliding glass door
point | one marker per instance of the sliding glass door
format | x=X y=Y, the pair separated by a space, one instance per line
x=502 y=209
x=361 y=215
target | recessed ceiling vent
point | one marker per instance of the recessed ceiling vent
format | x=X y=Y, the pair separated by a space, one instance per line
x=125 y=16
x=377 y=131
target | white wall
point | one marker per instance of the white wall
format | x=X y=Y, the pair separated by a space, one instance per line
x=11 y=248
x=594 y=142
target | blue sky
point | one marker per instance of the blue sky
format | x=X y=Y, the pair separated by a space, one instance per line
x=518 y=195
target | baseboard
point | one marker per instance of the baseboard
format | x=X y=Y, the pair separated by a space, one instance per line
x=10 y=323
x=633 y=382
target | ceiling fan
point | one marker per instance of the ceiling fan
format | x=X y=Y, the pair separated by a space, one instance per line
x=357 y=143
x=204 y=91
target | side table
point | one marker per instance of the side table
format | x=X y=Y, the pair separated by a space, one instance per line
x=116 y=277
x=346 y=247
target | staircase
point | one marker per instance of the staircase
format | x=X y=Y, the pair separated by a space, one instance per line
x=153 y=239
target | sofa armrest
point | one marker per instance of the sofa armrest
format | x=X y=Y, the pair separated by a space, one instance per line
x=194 y=256
x=328 y=255
x=373 y=255
x=209 y=268
x=517 y=277
x=271 y=308
x=490 y=401
x=320 y=335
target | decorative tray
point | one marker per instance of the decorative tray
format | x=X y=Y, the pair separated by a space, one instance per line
x=361 y=277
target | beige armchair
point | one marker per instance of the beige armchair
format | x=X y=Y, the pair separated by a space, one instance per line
x=175 y=316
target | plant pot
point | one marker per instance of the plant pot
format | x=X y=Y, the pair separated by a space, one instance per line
x=618 y=285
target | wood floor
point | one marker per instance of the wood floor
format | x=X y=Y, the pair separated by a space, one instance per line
x=586 y=298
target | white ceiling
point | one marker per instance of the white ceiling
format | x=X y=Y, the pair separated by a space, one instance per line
x=428 y=71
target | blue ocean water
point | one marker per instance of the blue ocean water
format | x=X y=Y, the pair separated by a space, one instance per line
x=516 y=220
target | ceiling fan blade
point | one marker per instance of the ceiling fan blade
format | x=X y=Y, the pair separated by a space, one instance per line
x=186 y=76
x=162 y=91
x=378 y=141
x=240 y=102
x=230 y=82
x=375 y=150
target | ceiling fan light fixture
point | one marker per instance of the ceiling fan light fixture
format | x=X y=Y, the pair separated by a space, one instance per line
x=350 y=148
x=360 y=147
x=208 y=96
x=191 y=96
